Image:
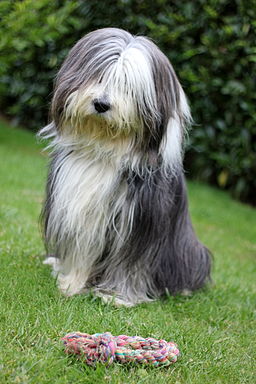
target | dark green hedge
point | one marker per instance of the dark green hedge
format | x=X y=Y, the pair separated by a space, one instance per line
x=210 y=43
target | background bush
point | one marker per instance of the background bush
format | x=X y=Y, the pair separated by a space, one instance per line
x=210 y=43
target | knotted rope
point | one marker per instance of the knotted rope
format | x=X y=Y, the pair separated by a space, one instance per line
x=106 y=348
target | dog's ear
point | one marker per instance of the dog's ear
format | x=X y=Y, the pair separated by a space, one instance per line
x=171 y=103
x=171 y=99
x=167 y=87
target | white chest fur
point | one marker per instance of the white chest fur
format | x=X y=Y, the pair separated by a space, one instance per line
x=87 y=197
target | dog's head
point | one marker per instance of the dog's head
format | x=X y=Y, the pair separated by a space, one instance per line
x=115 y=84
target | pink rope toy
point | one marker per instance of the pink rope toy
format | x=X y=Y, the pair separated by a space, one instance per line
x=106 y=348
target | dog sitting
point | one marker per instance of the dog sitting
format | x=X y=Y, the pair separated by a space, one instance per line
x=116 y=213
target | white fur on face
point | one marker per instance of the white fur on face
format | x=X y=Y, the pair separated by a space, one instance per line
x=128 y=86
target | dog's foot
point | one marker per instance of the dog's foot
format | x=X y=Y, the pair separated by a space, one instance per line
x=54 y=262
x=186 y=292
x=72 y=283
x=69 y=284
x=115 y=299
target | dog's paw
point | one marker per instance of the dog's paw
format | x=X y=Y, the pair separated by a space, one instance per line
x=186 y=292
x=73 y=283
x=113 y=299
x=53 y=262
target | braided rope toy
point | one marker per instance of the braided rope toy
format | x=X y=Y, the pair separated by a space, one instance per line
x=106 y=348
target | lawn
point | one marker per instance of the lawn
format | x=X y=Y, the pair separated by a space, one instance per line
x=214 y=329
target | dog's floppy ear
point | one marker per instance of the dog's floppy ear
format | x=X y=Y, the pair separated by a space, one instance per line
x=171 y=103
x=171 y=99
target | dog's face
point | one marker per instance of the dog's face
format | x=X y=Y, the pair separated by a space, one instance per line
x=114 y=84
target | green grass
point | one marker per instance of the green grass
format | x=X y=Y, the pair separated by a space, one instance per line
x=215 y=329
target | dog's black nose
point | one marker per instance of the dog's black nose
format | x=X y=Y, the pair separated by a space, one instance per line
x=101 y=106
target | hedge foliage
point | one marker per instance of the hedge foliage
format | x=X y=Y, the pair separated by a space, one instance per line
x=210 y=43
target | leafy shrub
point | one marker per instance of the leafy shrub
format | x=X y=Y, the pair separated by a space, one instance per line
x=211 y=45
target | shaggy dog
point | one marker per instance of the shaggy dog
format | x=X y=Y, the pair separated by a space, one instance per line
x=116 y=214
